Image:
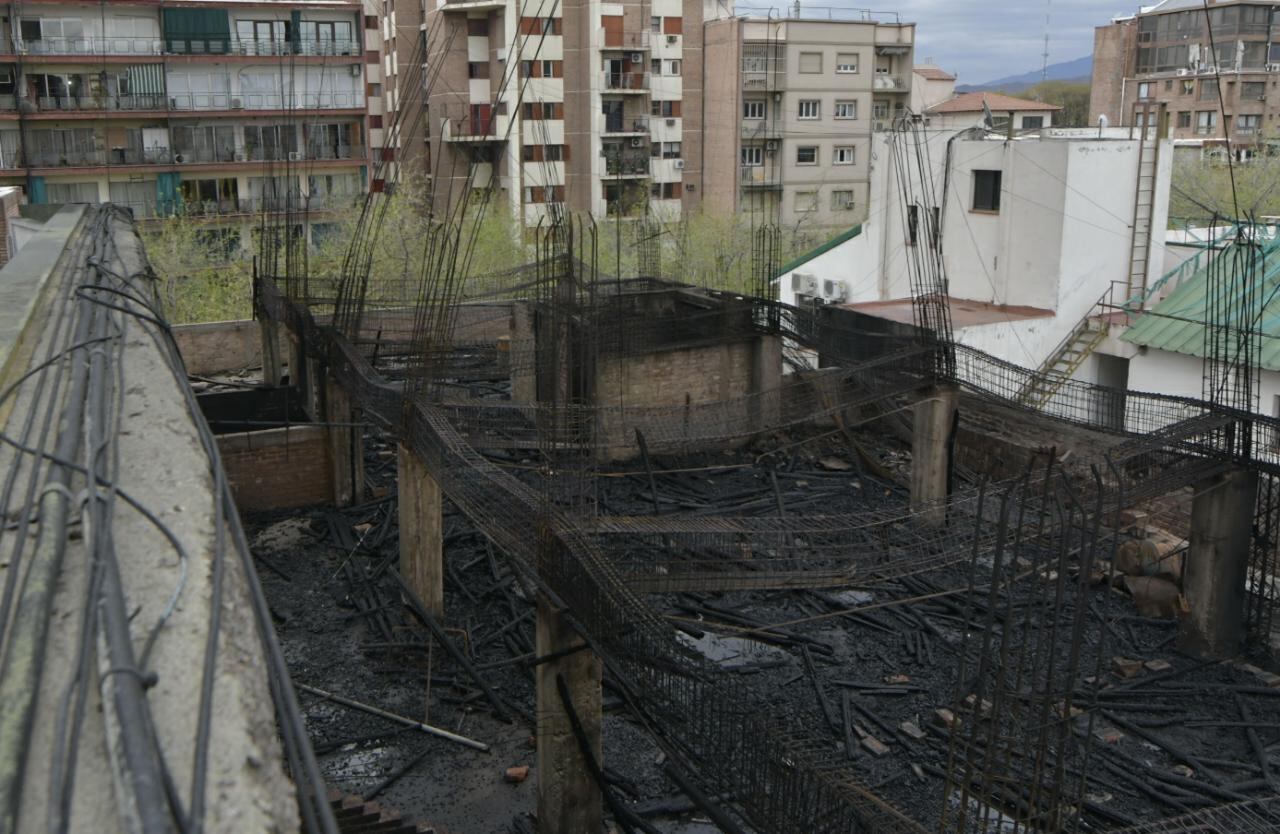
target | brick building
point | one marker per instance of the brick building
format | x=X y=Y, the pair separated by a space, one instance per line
x=1163 y=57
x=213 y=108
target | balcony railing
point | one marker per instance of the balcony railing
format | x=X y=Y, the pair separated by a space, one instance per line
x=618 y=124
x=207 y=45
x=763 y=80
x=43 y=104
x=758 y=176
x=629 y=166
x=323 y=100
x=637 y=41
x=889 y=82
x=636 y=82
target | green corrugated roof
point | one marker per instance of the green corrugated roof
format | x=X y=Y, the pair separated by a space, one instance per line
x=815 y=252
x=1177 y=323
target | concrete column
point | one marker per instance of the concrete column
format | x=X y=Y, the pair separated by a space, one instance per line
x=1217 y=563
x=346 y=445
x=272 y=372
x=297 y=367
x=569 y=802
x=766 y=379
x=524 y=378
x=933 y=432
x=421 y=531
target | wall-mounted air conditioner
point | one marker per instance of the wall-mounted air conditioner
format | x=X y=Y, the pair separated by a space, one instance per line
x=679 y=164
x=1184 y=71
x=355 y=70
x=637 y=57
x=295 y=156
x=237 y=104
x=771 y=146
x=671 y=122
x=637 y=141
x=803 y=284
x=834 y=290
x=673 y=39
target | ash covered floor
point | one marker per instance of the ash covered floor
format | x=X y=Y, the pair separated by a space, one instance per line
x=1170 y=734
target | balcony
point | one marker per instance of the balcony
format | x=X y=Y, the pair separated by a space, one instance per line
x=624 y=41
x=320 y=100
x=764 y=80
x=761 y=129
x=48 y=104
x=631 y=166
x=216 y=45
x=625 y=82
x=476 y=128
x=758 y=176
x=890 y=83
x=620 y=126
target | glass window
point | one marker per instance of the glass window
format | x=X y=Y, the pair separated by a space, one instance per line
x=807 y=155
x=986 y=191
x=844 y=155
x=841 y=200
x=810 y=108
x=752 y=156
x=846 y=62
x=847 y=109
x=753 y=109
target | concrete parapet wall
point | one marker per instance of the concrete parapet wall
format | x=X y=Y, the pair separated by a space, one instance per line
x=218 y=346
x=278 y=468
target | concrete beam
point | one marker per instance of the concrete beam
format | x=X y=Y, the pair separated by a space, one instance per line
x=933 y=435
x=272 y=371
x=1217 y=565
x=346 y=444
x=421 y=531
x=569 y=802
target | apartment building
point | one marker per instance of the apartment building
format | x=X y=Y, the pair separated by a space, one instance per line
x=577 y=105
x=791 y=106
x=1213 y=70
x=215 y=108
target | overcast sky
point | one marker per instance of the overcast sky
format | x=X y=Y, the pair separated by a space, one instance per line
x=982 y=40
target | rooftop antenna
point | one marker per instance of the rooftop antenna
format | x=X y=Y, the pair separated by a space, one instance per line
x=797 y=10
x=1044 y=66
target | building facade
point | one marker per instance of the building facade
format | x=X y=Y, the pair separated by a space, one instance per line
x=207 y=108
x=792 y=105
x=1163 y=58
x=582 y=105
x=970 y=110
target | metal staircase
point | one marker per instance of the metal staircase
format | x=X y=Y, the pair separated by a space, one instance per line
x=1085 y=337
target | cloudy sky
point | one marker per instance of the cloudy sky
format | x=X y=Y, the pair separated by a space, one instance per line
x=982 y=40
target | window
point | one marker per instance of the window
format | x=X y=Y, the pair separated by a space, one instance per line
x=1168 y=86
x=673 y=25
x=655 y=24
x=477 y=69
x=844 y=155
x=753 y=109
x=540 y=110
x=1206 y=121
x=841 y=200
x=913 y=224
x=1188 y=87
x=986 y=191
x=807 y=155
x=806 y=201
x=1253 y=90
x=1032 y=122
x=478 y=27
x=1209 y=90
x=752 y=156
x=667 y=109
x=544 y=194
x=670 y=150
x=846 y=62
x=540 y=25
x=1184 y=118
x=58 y=193
x=655 y=66
x=665 y=190
x=673 y=67
x=1248 y=124
x=847 y=109
x=810 y=62
x=810 y=108
x=879 y=110
x=1144 y=90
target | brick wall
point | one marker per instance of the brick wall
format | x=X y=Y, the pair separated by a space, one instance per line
x=278 y=468
x=1113 y=54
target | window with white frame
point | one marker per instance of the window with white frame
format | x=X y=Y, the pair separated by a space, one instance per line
x=841 y=200
x=847 y=109
x=753 y=109
x=673 y=66
x=810 y=108
x=846 y=62
x=807 y=155
x=844 y=155
x=806 y=201
x=670 y=150
x=752 y=156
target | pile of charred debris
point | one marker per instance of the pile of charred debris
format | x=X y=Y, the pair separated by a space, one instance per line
x=437 y=717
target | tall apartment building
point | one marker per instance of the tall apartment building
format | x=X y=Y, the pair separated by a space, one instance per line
x=587 y=105
x=1163 y=56
x=791 y=105
x=218 y=108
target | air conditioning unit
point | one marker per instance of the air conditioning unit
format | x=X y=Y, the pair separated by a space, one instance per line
x=1184 y=71
x=637 y=141
x=771 y=146
x=237 y=104
x=803 y=284
x=1273 y=67
x=240 y=157
x=640 y=126
x=671 y=122
x=834 y=290
x=295 y=156
x=637 y=57
x=673 y=39
x=355 y=70
x=679 y=164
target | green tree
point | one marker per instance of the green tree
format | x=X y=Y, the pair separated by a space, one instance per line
x=1071 y=96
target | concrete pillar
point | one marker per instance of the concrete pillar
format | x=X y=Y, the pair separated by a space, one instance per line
x=272 y=372
x=524 y=377
x=346 y=445
x=766 y=380
x=1217 y=563
x=569 y=802
x=933 y=433
x=421 y=531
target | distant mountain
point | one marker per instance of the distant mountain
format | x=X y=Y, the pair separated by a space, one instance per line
x=1078 y=70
